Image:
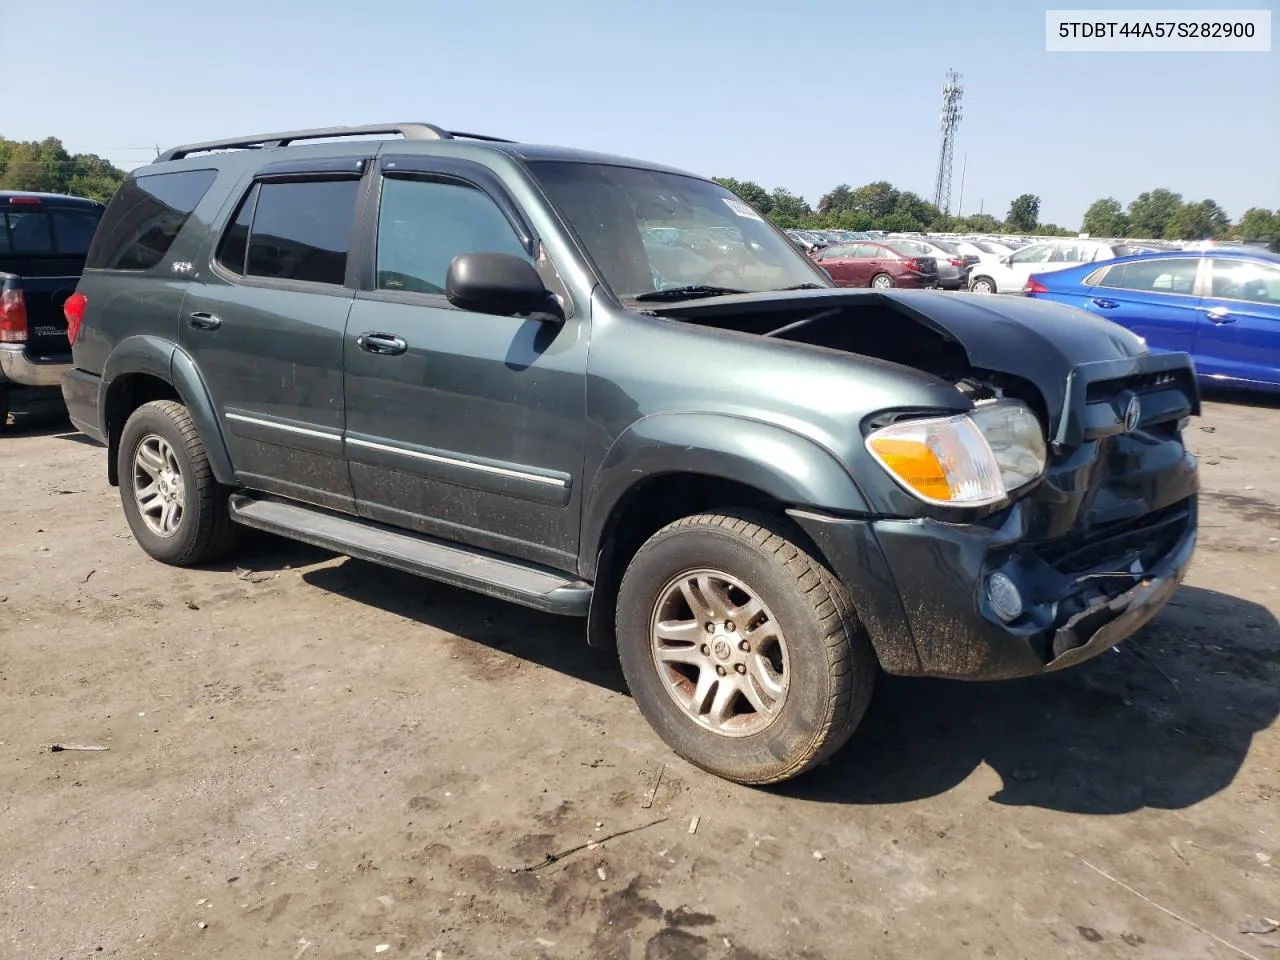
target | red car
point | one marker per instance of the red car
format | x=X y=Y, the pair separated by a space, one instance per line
x=867 y=264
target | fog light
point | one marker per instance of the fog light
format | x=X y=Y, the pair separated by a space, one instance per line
x=1005 y=597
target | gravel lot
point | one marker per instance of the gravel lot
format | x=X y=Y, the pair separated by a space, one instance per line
x=313 y=757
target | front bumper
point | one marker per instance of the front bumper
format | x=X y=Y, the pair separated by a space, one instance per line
x=16 y=366
x=920 y=590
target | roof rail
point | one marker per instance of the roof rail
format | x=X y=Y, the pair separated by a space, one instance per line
x=410 y=131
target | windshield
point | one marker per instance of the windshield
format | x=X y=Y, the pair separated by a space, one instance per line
x=649 y=231
x=945 y=246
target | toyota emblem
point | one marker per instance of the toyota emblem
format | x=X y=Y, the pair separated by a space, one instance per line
x=1132 y=414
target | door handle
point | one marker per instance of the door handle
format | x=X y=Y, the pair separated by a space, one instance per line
x=203 y=321
x=1105 y=304
x=385 y=343
x=1220 y=315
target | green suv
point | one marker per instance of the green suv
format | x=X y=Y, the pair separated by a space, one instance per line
x=611 y=390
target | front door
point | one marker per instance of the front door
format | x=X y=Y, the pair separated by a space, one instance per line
x=1156 y=299
x=839 y=263
x=1238 y=333
x=265 y=326
x=462 y=425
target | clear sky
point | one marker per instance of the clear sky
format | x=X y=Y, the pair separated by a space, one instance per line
x=796 y=93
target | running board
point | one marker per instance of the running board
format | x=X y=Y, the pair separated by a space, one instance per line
x=517 y=582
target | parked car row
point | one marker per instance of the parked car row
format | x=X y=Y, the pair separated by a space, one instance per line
x=1221 y=305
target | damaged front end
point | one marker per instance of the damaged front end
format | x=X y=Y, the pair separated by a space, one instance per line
x=1018 y=574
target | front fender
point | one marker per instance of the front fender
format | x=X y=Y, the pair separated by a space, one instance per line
x=166 y=361
x=790 y=468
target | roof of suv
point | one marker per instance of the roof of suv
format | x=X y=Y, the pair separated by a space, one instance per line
x=414 y=138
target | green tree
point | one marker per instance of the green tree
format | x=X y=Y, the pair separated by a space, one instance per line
x=46 y=165
x=877 y=200
x=1258 y=223
x=979 y=223
x=838 y=200
x=1024 y=213
x=24 y=169
x=1053 y=230
x=1105 y=218
x=914 y=207
x=1197 y=221
x=1150 y=213
x=787 y=209
x=749 y=191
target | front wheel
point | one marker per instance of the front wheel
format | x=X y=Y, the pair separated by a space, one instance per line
x=982 y=285
x=176 y=509
x=882 y=281
x=741 y=649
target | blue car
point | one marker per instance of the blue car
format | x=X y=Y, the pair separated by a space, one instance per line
x=1220 y=305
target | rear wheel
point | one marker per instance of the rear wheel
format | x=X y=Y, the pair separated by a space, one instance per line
x=175 y=508
x=982 y=285
x=882 y=281
x=741 y=649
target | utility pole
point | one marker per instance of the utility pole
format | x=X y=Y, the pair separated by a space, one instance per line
x=964 y=165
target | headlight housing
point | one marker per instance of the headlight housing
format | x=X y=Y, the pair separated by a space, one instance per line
x=967 y=460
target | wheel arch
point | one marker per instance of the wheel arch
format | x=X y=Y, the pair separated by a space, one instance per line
x=673 y=465
x=145 y=368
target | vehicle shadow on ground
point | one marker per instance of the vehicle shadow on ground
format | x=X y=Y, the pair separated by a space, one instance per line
x=557 y=643
x=1165 y=721
x=40 y=415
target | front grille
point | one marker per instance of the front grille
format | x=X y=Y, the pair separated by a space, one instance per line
x=1118 y=543
x=1102 y=391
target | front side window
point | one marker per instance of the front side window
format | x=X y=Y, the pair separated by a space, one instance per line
x=424 y=224
x=1176 y=275
x=1243 y=280
x=723 y=242
x=841 y=251
x=144 y=219
x=1037 y=253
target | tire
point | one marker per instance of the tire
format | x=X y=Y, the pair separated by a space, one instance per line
x=827 y=670
x=882 y=281
x=200 y=529
x=982 y=285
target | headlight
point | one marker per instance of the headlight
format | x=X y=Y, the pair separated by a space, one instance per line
x=967 y=460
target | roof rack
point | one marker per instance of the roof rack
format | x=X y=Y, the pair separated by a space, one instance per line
x=410 y=131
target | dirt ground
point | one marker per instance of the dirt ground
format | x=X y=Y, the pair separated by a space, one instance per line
x=312 y=757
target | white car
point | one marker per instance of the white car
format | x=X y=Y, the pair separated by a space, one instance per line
x=1009 y=274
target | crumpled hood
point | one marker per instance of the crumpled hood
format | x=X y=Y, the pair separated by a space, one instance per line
x=1058 y=349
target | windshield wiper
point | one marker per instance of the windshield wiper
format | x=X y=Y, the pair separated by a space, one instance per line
x=691 y=292
x=803 y=286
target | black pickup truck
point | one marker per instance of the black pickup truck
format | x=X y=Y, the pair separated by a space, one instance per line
x=43 y=241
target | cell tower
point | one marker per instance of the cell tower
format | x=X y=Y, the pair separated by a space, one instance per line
x=952 y=91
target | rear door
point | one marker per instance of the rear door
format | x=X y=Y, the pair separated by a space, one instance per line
x=265 y=325
x=1156 y=299
x=1238 y=333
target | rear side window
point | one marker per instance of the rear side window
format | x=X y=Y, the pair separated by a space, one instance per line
x=1153 y=276
x=294 y=230
x=145 y=217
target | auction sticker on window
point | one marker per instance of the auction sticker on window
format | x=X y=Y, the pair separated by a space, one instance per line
x=1158 y=31
x=741 y=209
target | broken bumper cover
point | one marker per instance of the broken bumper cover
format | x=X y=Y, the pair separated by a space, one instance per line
x=920 y=590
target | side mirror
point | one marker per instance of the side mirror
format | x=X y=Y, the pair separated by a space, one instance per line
x=500 y=284
x=1007 y=259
